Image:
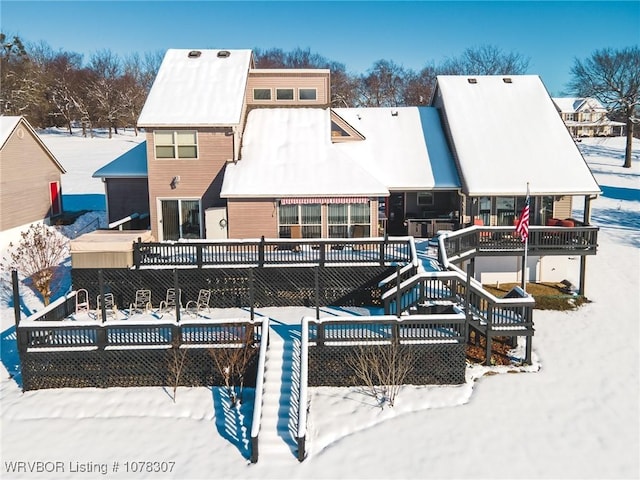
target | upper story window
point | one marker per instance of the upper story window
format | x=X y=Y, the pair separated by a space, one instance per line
x=284 y=93
x=307 y=94
x=262 y=94
x=176 y=144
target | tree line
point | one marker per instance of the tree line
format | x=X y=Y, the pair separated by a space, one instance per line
x=56 y=88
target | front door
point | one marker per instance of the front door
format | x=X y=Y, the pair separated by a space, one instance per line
x=180 y=219
x=395 y=215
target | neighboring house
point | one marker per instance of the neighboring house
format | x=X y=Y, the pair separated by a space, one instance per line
x=586 y=117
x=29 y=179
x=126 y=185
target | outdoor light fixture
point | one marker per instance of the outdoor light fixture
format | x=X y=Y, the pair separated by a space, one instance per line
x=175 y=181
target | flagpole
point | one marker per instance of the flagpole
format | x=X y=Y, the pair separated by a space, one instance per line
x=524 y=265
x=523 y=230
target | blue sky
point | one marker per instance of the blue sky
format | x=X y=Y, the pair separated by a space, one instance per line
x=355 y=33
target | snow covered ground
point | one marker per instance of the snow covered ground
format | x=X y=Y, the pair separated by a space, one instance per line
x=574 y=414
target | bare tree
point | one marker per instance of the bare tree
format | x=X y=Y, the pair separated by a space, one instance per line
x=383 y=85
x=40 y=251
x=382 y=369
x=613 y=77
x=419 y=86
x=177 y=358
x=104 y=88
x=485 y=60
x=232 y=363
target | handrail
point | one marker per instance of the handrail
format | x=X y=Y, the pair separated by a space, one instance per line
x=257 y=403
x=303 y=397
x=124 y=220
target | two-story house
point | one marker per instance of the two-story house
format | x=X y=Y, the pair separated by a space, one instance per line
x=586 y=117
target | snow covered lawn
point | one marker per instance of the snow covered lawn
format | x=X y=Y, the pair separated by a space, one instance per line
x=574 y=414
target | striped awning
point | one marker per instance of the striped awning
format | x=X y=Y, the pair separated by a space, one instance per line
x=307 y=200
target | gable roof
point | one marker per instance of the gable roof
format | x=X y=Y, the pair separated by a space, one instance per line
x=404 y=147
x=508 y=133
x=9 y=124
x=201 y=89
x=131 y=164
x=287 y=152
x=575 y=104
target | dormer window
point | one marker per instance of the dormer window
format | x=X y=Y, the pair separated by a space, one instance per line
x=307 y=94
x=284 y=93
x=262 y=94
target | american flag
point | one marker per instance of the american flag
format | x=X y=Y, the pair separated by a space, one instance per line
x=522 y=228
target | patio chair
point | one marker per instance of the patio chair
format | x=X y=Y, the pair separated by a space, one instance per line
x=194 y=307
x=142 y=302
x=82 y=301
x=173 y=299
x=109 y=305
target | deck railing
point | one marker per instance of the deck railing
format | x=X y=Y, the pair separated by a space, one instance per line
x=282 y=251
x=67 y=335
x=477 y=240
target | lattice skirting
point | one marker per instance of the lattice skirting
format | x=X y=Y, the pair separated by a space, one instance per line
x=433 y=364
x=230 y=287
x=123 y=368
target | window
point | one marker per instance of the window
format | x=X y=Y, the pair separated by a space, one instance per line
x=307 y=94
x=347 y=220
x=262 y=94
x=505 y=210
x=284 y=93
x=176 y=144
x=308 y=216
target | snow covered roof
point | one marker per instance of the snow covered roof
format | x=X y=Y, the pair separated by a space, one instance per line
x=198 y=88
x=404 y=147
x=7 y=126
x=575 y=104
x=131 y=164
x=287 y=152
x=507 y=132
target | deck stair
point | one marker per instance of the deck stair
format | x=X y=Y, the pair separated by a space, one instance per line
x=280 y=398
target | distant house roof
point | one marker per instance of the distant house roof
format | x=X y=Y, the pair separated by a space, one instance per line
x=131 y=164
x=9 y=124
x=404 y=147
x=507 y=132
x=198 y=88
x=575 y=104
x=287 y=152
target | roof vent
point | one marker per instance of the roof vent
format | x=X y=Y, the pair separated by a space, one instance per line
x=224 y=53
x=194 y=53
x=472 y=80
x=507 y=80
x=394 y=113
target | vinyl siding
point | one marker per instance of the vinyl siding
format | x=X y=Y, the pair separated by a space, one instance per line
x=26 y=170
x=252 y=218
x=199 y=178
x=284 y=79
x=562 y=207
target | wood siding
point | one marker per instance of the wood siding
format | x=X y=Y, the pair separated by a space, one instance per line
x=126 y=196
x=252 y=218
x=199 y=178
x=289 y=79
x=562 y=207
x=26 y=169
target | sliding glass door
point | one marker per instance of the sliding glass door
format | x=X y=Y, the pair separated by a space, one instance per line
x=180 y=218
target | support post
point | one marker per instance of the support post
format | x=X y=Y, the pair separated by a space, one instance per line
x=176 y=285
x=261 y=252
x=583 y=274
x=398 y=294
x=103 y=307
x=317 y=291
x=16 y=296
x=251 y=293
